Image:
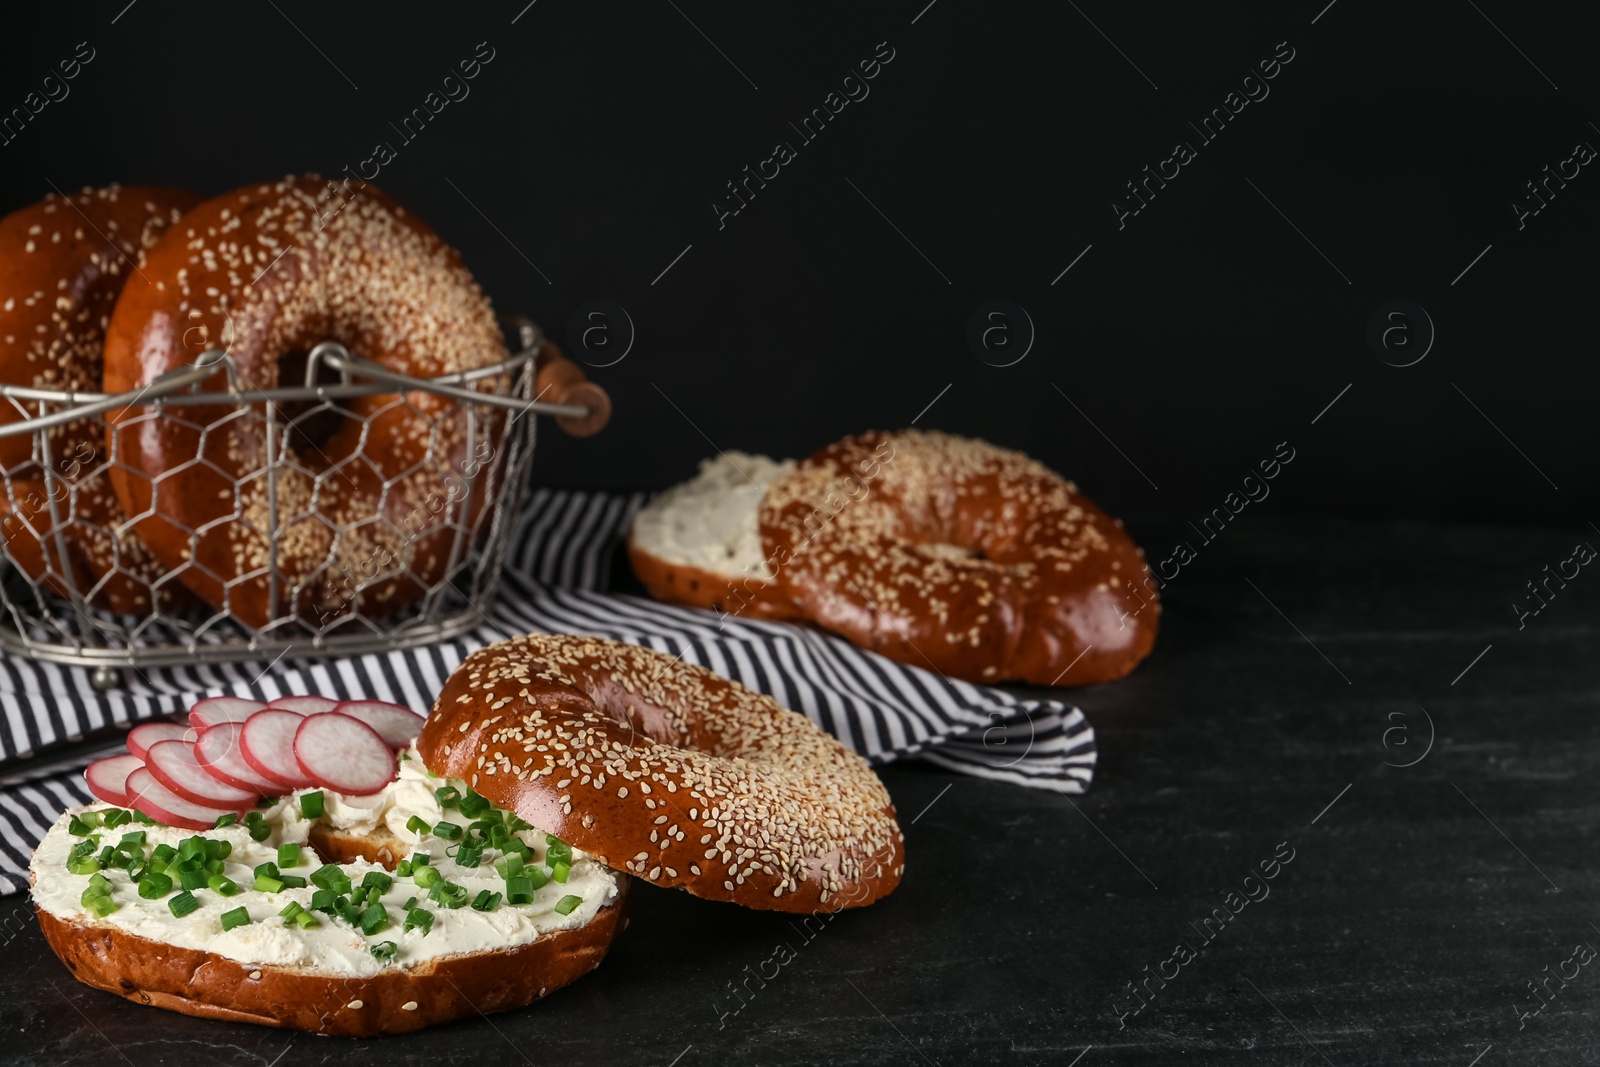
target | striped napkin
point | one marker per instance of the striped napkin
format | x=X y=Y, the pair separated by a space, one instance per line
x=555 y=581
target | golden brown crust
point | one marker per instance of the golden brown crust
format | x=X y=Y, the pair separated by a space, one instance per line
x=62 y=263
x=204 y=984
x=680 y=583
x=667 y=771
x=957 y=556
x=267 y=272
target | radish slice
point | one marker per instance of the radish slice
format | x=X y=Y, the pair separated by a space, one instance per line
x=304 y=705
x=148 y=795
x=344 y=754
x=213 y=711
x=221 y=753
x=174 y=765
x=267 y=743
x=397 y=726
x=140 y=738
x=108 y=778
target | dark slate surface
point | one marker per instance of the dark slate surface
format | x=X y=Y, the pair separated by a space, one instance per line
x=1415 y=909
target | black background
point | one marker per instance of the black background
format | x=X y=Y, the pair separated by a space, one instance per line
x=1195 y=338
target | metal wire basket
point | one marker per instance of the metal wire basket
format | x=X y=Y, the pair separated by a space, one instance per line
x=49 y=610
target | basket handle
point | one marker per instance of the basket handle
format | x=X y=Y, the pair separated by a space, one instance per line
x=558 y=380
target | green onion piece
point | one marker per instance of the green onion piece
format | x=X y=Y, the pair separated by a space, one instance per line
x=136 y=873
x=194 y=879
x=418 y=825
x=509 y=866
x=290 y=910
x=259 y=831
x=420 y=859
x=560 y=871
x=567 y=904
x=447 y=796
x=105 y=856
x=513 y=823
x=182 y=904
x=100 y=884
x=236 y=917
x=384 y=950
x=449 y=894
x=212 y=866
x=346 y=910
x=142 y=819
x=289 y=855
x=226 y=820
x=115 y=817
x=311 y=804
x=222 y=885
x=292 y=881
x=330 y=876
x=410 y=903
x=269 y=869
x=267 y=885
x=485 y=901
x=427 y=877
x=557 y=851
x=93 y=819
x=192 y=846
x=132 y=838
x=372 y=920
x=322 y=900
x=403 y=869
x=419 y=919
x=218 y=849
x=84 y=865
x=154 y=886
x=305 y=920
x=82 y=849
x=469 y=855
x=379 y=879
x=472 y=805
x=521 y=848
x=537 y=876
x=101 y=906
x=519 y=890
x=78 y=828
x=163 y=852
x=447 y=830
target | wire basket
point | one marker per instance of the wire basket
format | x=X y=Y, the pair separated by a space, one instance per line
x=51 y=610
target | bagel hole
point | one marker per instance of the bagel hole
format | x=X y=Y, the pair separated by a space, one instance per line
x=307 y=430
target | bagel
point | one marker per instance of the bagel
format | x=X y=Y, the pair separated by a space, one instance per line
x=697 y=543
x=325 y=978
x=952 y=554
x=62 y=263
x=669 y=772
x=372 y=492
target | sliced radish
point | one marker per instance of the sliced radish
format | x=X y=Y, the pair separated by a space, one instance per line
x=221 y=753
x=344 y=753
x=213 y=711
x=148 y=795
x=107 y=778
x=174 y=765
x=140 y=738
x=304 y=705
x=267 y=742
x=398 y=726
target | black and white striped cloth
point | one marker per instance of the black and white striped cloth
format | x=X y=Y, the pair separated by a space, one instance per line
x=557 y=570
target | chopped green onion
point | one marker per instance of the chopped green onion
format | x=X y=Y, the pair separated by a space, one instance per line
x=163 y=852
x=509 y=866
x=410 y=903
x=212 y=866
x=100 y=883
x=346 y=910
x=519 y=889
x=560 y=870
x=469 y=855
x=101 y=906
x=115 y=817
x=449 y=894
x=136 y=873
x=78 y=828
x=557 y=851
x=567 y=904
x=305 y=920
x=513 y=823
x=419 y=919
x=82 y=849
x=384 y=950
x=259 y=831
x=193 y=879
x=218 y=849
x=427 y=877
x=289 y=855
x=93 y=819
x=418 y=825
x=447 y=830
x=182 y=904
x=403 y=869
x=372 y=920
x=154 y=886
x=447 y=796
x=222 y=885
x=290 y=910
x=131 y=838
x=420 y=859
x=537 y=876
x=269 y=869
x=83 y=865
x=311 y=805
x=330 y=876
x=192 y=846
x=226 y=820
x=473 y=805
x=485 y=901
x=143 y=820
x=264 y=884
x=292 y=881
x=236 y=917
x=322 y=900
x=379 y=879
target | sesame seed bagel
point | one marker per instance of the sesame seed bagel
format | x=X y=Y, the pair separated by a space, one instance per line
x=370 y=491
x=952 y=554
x=62 y=263
x=668 y=771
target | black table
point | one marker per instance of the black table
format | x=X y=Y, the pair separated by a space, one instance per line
x=1297 y=672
